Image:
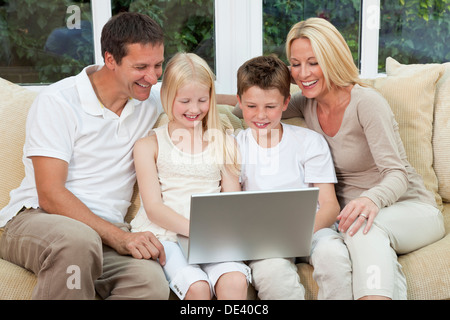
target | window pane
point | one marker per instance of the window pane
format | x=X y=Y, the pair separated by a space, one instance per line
x=43 y=41
x=188 y=24
x=281 y=15
x=414 y=31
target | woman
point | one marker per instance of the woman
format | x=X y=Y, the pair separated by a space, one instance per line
x=386 y=208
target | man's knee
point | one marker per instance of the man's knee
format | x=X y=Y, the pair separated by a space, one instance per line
x=131 y=278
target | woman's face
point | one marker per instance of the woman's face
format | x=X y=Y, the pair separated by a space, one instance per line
x=305 y=69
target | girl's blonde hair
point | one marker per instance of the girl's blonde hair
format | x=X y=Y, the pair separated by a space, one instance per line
x=185 y=68
x=331 y=50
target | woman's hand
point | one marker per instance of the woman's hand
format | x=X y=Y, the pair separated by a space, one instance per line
x=360 y=209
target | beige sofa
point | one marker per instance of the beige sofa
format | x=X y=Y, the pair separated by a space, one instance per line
x=420 y=98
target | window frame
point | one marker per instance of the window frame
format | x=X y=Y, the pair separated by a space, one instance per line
x=239 y=37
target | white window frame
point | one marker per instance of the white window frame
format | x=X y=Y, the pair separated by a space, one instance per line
x=239 y=37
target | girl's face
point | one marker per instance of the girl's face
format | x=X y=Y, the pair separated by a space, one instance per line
x=191 y=104
x=305 y=69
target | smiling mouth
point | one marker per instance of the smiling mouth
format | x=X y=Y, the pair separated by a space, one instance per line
x=143 y=85
x=309 y=83
x=261 y=124
x=191 y=117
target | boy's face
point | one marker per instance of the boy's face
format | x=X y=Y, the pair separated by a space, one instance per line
x=262 y=110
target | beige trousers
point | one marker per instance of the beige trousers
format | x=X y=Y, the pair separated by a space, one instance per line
x=71 y=262
x=398 y=229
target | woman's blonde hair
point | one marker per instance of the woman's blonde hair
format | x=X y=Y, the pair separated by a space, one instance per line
x=331 y=50
x=185 y=68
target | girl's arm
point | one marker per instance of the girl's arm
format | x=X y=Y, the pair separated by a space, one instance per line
x=328 y=206
x=145 y=155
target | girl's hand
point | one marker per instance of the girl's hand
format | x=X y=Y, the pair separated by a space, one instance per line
x=360 y=209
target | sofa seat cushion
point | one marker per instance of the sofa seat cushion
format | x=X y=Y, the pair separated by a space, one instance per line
x=16 y=282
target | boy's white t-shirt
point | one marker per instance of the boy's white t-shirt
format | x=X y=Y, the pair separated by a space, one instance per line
x=300 y=159
x=67 y=122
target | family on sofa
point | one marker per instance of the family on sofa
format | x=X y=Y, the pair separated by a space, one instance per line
x=80 y=167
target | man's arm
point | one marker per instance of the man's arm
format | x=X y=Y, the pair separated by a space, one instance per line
x=55 y=198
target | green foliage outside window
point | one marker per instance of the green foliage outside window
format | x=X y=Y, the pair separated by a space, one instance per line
x=188 y=24
x=280 y=15
x=31 y=40
x=415 y=31
x=412 y=31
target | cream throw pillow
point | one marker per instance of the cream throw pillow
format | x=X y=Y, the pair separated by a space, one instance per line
x=14 y=105
x=441 y=126
x=410 y=91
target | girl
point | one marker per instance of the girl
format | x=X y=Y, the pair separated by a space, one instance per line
x=190 y=154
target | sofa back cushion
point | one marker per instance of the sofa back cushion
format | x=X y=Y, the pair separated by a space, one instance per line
x=410 y=91
x=14 y=106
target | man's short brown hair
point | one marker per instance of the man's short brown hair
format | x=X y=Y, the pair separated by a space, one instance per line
x=127 y=28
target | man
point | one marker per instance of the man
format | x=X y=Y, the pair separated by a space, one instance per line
x=66 y=220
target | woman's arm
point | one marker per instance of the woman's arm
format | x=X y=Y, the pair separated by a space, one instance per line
x=145 y=155
x=386 y=148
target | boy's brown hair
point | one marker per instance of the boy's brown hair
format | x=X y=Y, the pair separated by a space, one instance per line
x=265 y=72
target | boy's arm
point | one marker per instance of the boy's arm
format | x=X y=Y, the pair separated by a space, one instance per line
x=145 y=155
x=328 y=206
x=55 y=198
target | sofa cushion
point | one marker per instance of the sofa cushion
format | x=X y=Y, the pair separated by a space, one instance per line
x=410 y=91
x=14 y=106
x=441 y=125
x=441 y=134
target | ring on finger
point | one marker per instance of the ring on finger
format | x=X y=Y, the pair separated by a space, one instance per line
x=363 y=215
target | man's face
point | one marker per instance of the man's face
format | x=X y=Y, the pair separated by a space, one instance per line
x=139 y=70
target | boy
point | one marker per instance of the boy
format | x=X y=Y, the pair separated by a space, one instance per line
x=280 y=156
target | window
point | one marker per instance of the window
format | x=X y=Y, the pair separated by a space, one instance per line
x=44 y=41
x=414 y=31
x=188 y=24
x=280 y=15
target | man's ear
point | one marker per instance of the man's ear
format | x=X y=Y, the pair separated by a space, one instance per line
x=110 y=62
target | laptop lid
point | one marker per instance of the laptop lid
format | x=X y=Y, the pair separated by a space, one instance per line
x=250 y=225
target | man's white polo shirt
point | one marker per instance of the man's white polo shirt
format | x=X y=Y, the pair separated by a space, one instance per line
x=67 y=121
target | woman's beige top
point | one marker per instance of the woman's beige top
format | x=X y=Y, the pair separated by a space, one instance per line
x=368 y=153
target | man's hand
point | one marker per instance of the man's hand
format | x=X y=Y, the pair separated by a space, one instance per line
x=142 y=245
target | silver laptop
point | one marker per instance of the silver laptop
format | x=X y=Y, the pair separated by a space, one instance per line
x=250 y=225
